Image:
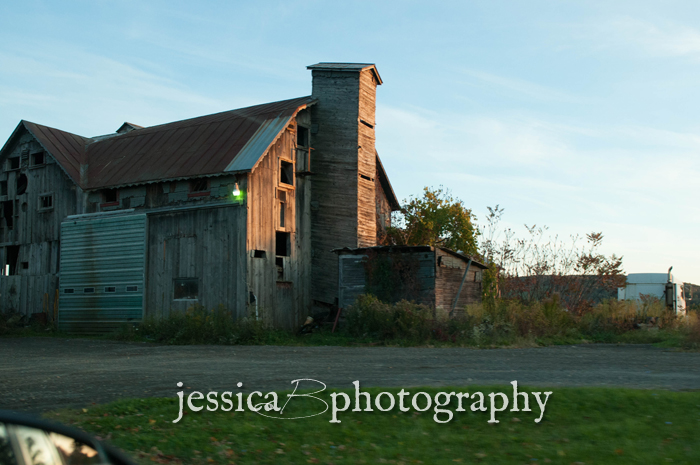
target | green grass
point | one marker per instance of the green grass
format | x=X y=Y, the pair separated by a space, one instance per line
x=581 y=425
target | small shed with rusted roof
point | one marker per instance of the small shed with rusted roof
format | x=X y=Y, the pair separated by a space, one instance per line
x=441 y=278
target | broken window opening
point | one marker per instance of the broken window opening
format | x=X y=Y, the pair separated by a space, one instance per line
x=110 y=196
x=89 y=290
x=287 y=172
x=8 y=208
x=279 y=262
x=13 y=163
x=45 y=202
x=68 y=291
x=283 y=244
x=302 y=136
x=258 y=254
x=282 y=207
x=110 y=289
x=186 y=288
x=364 y=176
x=3 y=187
x=38 y=159
x=132 y=288
x=199 y=185
x=25 y=265
x=12 y=254
x=22 y=183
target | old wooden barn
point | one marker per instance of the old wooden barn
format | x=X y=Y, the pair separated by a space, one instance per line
x=240 y=208
x=438 y=277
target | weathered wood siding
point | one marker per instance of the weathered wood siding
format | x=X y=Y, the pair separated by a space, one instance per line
x=449 y=274
x=342 y=192
x=419 y=287
x=279 y=284
x=203 y=243
x=383 y=212
x=35 y=231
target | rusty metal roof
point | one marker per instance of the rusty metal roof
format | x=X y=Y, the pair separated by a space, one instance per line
x=406 y=249
x=231 y=141
x=351 y=67
x=68 y=149
x=201 y=146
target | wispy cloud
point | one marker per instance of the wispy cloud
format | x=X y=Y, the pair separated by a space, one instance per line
x=523 y=88
x=662 y=38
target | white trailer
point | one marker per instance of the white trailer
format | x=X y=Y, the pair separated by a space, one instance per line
x=660 y=285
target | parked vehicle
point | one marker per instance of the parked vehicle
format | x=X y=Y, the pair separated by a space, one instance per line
x=661 y=285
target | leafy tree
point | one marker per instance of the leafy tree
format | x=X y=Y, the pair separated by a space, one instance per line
x=435 y=219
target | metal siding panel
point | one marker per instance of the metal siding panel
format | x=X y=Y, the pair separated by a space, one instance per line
x=99 y=252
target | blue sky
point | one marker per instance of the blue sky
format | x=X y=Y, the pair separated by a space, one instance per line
x=582 y=116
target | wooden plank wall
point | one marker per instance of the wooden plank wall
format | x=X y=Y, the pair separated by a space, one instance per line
x=204 y=243
x=334 y=189
x=283 y=301
x=36 y=232
x=449 y=274
x=367 y=162
x=383 y=211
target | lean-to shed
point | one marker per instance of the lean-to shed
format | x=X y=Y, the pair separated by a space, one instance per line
x=433 y=276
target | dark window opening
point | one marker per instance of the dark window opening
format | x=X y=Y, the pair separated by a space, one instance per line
x=46 y=202
x=22 y=183
x=287 y=172
x=302 y=136
x=279 y=262
x=25 y=265
x=132 y=288
x=3 y=187
x=111 y=196
x=89 y=290
x=258 y=254
x=364 y=176
x=199 y=185
x=110 y=289
x=38 y=158
x=282 y=206
x=68 y=291
x=13 y=163
x=282 y=244
x=186 y=288
x=369 y=125
x=8 y=213
x=12 y=254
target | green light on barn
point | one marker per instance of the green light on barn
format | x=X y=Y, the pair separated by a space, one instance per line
x=237 y=194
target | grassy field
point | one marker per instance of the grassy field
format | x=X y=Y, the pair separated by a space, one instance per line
x=580 y=425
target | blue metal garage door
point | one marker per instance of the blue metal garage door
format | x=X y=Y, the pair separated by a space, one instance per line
x=101 y=280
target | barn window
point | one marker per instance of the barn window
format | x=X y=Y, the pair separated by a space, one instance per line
x=199 y=185
x=13 y=163
x=281 y=207
x=186 y=288
x=110 y=289
x=38 y=159
x=22 y=183
x=8 y=213
x=68 y=291
x=110 y=196
x=25 y=265
x=258 y=254
x=287 y=172
x=3 y=187
x=89 y=290
x=282 y=244
x=302 y=136
x=45 y=202
x=132 y=288
x=11 y=254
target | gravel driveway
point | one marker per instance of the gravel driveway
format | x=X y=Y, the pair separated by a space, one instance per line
x=39 y=374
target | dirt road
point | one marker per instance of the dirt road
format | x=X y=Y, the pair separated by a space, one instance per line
x=38 y=374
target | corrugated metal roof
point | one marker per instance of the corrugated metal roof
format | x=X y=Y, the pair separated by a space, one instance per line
x=409 y=249
x=204 y=146
x=386 y=186
x=68 y=149
x=352 y=67
x=195 y=147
